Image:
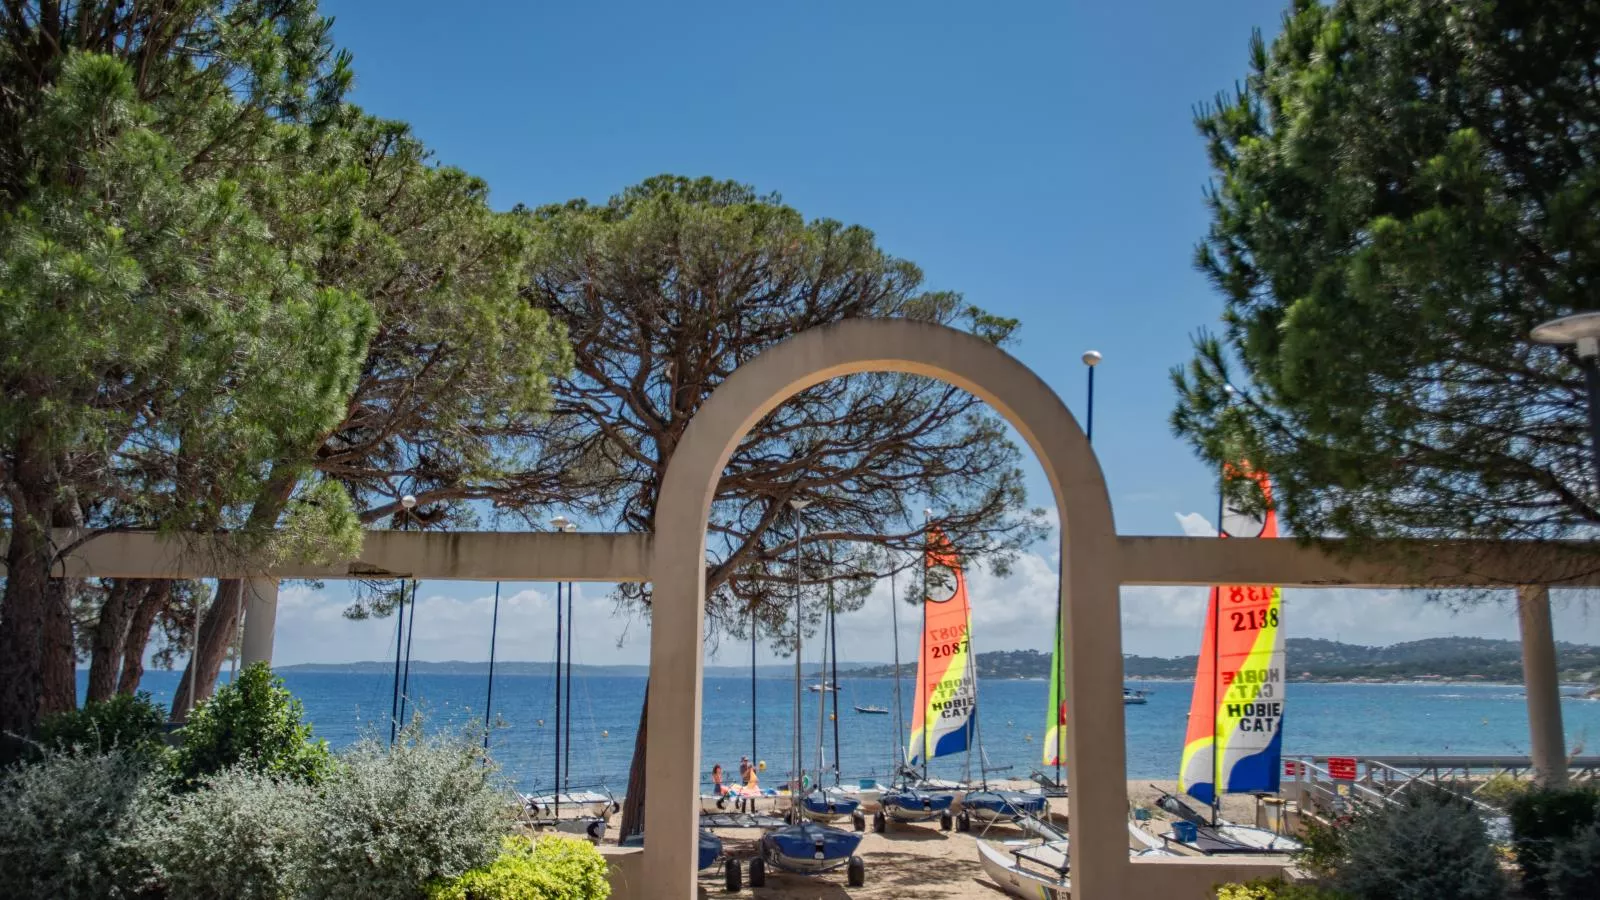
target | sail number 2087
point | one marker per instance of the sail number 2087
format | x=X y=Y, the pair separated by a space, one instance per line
x=941 y=651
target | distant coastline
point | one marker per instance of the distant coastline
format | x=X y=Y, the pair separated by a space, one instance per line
x=1310 y=660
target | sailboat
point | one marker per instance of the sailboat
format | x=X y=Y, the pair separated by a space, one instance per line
x=1235 y=738
x=822 y=803
x=944 y=716
x=583 y=812
x=803 y=846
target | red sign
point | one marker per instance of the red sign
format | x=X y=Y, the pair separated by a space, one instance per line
x=1342 y=768
x=1291 y=768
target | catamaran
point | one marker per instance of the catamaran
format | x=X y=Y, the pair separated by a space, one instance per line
x=802 y=846
x=944 y=716
x=1235 y=738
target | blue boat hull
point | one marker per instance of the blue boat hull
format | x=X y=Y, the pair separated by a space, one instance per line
x=1003 y=806
x=915 y=805
x=710 y=847
x=809 y=848
x=826 y=806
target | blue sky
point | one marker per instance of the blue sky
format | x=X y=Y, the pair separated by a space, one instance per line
x=1039 y=157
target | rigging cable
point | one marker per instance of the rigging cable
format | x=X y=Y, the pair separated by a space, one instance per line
x=488 y=700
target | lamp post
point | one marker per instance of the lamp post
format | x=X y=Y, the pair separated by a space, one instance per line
x=1546 y=736
x=797 y=504
x=1091 y=358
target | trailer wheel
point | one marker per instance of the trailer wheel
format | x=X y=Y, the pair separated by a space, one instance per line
x=856 y=874
x=963 y=823
x=731 y=876
x=758 y=872
x=858 y=822
x=945 y=822
x=880 y=822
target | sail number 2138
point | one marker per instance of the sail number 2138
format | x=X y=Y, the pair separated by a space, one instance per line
x=1254 y=620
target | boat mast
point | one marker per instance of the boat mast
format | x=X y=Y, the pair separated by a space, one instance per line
x=822 y=704
x=753 y=756
x=556 y=788
x=797 y=504
x=896 y=758
x=1216 y=670
x=488 y=700
x=833 y=638
x=566 y=740
x=927 y=516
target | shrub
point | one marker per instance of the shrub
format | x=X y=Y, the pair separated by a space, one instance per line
x=1275 y=889
x=552 y=868
x=1433 y=845
x=253 y=722
x=1503 y=789
x=127 y=721
x=243 y=835
x=390 y=822
x=1323 y=848
x=1542 y=821
x=1573 y=872
x=65 y=825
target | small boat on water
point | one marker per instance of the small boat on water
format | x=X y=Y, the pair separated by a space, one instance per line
x=825 y=687
x=1132 y=697
x=872 y=710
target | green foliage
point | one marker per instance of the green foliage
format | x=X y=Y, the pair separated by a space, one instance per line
x=66 y=823
x=253 y=723
x=390 y=822
x=1574 y=869
x=1385 y=235
x=126 y=721
x=1322 y=849
x=1543 y=823
x=243 y=834
x=1432 y=847
x=1275 y=889
x=1503 y=790
x=551 y=868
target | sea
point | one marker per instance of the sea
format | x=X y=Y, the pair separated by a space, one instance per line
x=1321 y=719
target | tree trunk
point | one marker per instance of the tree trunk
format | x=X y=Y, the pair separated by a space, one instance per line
x=58 y=676
x=111 y=634
x=22 y=609
x=220 y=624
x=144 y=619
x=633 y=802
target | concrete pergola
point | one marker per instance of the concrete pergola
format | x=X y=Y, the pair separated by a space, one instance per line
x=1095 y=563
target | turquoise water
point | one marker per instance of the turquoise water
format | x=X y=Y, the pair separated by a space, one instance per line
x=1322 y=719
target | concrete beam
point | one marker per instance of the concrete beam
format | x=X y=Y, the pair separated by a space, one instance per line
x=458 y=556
x=1286 y=562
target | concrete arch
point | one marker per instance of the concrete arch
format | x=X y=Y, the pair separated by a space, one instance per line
x=1090 y=579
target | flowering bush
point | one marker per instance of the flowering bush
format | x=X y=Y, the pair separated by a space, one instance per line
x=243 y=835
x=391 y=821
x=552 y=868
x=66 y=823
x=1275 y=890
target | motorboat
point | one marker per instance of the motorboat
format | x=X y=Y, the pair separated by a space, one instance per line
x=1133 y=698
x=872 y=710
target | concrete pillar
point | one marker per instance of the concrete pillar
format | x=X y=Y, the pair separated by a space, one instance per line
x=1540 y=679
x=260 y=620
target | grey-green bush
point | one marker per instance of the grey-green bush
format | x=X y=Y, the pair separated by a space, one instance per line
x=1433 y=847
x=388 y=822
x=66 y=823
x=128 y=721
x=1573 y=872
x=243 y=835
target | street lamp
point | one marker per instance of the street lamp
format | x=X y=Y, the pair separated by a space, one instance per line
x=1091 y=358
x=1583 y=330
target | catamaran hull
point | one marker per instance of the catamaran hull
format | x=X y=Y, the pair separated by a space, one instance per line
x=828 y=806
x=1002 y=806
x=809 y=848
x=998 y=865
x=916 y=806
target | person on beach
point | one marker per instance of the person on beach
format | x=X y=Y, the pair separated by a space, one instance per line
x=716 y=780
x=744 y=768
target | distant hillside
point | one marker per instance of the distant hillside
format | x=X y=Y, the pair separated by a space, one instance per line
x=461 y=667
x=1314 y=659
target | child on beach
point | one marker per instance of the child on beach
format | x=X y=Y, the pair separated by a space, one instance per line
x=716 y=780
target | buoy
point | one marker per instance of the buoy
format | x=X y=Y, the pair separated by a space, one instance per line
x=761 y=766
x=541 y=723
x=605 y=734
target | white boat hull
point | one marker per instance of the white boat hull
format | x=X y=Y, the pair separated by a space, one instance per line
x=1001 y=867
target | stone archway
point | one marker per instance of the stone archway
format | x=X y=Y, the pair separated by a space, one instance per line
x=1090 y=618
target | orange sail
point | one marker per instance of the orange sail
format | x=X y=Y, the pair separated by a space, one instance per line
x=1235 y=736
x=947 y=687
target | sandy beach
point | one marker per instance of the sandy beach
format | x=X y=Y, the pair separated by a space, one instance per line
x=924 y=860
